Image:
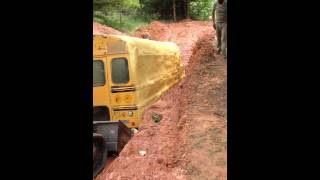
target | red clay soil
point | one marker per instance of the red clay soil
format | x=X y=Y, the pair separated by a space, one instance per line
x=185 y=34
x=205 y=111
x=190 y=140
x=102 y=29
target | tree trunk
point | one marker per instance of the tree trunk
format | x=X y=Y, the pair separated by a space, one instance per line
x=187 y=8
x=174 y=10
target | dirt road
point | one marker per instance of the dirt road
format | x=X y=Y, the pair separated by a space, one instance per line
x=190 y=141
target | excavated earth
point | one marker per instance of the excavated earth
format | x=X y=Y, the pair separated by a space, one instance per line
x=102 y=29
x=190 y=140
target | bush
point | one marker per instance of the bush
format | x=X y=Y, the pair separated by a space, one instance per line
x=109 y=12
x=128 y=24
x=201 y=9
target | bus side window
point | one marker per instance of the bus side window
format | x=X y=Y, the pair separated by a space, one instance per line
x=98 y=73
x=120 y=71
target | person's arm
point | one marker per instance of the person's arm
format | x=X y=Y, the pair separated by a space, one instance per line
x=213 y=13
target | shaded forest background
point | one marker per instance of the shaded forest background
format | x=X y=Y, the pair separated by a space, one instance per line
x=128 y=15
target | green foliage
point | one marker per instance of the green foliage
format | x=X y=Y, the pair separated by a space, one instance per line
x=119 y=14
x=201 y=9
x=156 y=8
x=128 y=23
x=127 y=15
x=106 y=4
x=131 y=4
x=164 y=8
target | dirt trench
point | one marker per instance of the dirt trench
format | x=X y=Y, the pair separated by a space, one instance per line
x=190 y=141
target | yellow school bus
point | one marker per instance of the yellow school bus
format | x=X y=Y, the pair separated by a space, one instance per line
x=129 y=74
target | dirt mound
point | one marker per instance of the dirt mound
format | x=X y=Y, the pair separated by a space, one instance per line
x=206 y=114
x=185 y=34
x=172 y=145
x=154 y=31
x=102 y=29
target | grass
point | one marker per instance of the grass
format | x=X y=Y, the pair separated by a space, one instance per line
x=127 y=25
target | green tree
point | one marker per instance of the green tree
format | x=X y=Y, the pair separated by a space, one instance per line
x=201 y=9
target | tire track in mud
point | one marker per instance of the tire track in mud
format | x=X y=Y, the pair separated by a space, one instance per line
x=167 y=144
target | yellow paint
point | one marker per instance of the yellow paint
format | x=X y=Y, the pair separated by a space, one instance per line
x=154 y=67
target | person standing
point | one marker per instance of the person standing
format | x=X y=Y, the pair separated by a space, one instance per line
x=219 y=16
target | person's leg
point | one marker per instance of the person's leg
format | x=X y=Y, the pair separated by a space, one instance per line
x=224 y=40
x=218 y=32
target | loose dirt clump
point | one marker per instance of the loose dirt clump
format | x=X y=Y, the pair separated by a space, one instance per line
x=154 y=31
